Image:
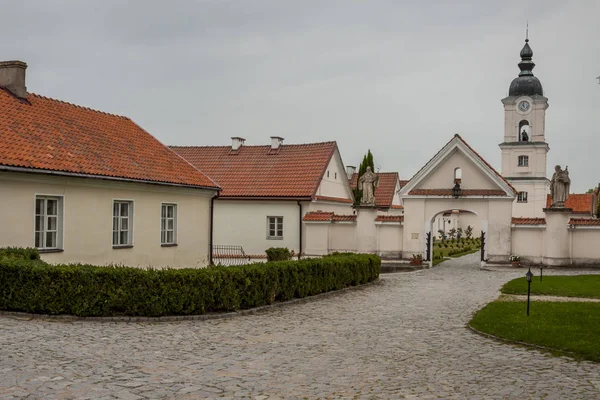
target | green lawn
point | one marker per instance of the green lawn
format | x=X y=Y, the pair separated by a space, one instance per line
x=569 y=327
x=568 y=286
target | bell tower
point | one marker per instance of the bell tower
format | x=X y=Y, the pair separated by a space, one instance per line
x=524 y=149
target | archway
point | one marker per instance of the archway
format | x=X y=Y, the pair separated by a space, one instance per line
x=454 y=224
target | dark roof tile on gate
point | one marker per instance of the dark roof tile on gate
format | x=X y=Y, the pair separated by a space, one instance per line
x=528 y=221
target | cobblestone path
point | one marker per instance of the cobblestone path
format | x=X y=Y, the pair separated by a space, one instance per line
x=402 y=338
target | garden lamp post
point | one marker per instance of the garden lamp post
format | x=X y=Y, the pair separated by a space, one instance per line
x=528 y=276
x=541 y=272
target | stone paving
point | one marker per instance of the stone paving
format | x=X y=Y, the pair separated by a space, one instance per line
x=404 y=337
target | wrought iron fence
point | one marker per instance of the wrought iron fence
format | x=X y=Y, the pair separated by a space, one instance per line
x=228 y=255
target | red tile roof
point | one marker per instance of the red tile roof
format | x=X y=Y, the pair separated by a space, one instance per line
x=384 y=193
x=295 y=170
x=404 y=182
x=334 y=199
x=580 y=203
x=584 y=222
x=390 y=218
x=465 y=192
x=321 y=216
x=529 y=221
x=396 y=207
x=51 y=135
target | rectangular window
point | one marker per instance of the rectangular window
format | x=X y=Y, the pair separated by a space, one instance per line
x=48 y=222
x=522 y=197
x=275 y=227
x=122 y=223
x=523 y=161
x=168 y=224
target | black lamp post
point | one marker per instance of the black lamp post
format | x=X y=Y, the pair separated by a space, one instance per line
x=528 y=276
x=456 y=190
x=541 y=272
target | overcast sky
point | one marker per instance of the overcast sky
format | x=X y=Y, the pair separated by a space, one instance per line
x=398 y=77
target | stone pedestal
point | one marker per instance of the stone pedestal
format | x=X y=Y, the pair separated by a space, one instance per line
x=556 y=238
x=366 y=230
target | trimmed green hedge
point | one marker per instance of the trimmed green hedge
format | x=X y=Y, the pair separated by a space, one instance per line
x=31 y=285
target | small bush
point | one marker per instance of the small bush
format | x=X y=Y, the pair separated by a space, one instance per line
x=19 y=253
x=278 y=254
x=31 y=285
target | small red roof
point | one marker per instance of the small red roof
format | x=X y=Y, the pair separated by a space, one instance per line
x=528 y=221
x=584 y=222
x=293 y=171
x=322 y=216
x=384 y=193
x=464 y=192
x=580 y=203
x=390 y=218
x=334 y=199
x=46 y=134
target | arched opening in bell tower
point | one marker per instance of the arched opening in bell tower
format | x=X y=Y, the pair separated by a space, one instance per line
x=524 y=133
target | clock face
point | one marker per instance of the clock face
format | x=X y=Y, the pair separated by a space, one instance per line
x=524 y=106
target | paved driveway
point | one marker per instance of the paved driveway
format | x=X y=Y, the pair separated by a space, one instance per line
x=402 y=338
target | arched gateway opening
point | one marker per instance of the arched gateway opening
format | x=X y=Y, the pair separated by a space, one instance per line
x=455 y=230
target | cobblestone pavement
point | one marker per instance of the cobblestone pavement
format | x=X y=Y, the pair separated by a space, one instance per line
x=402 y=338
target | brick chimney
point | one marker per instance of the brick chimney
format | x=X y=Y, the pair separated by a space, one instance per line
x=237 y=142
x=12 y=77
x=350 y=170
x=276 y=141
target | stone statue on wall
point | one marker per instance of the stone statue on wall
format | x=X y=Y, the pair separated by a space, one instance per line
x=560 y=185
x=367 y=183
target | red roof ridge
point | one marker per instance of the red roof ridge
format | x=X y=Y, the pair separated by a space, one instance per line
x=252 y=145
x=528 y=221
x=78 y=106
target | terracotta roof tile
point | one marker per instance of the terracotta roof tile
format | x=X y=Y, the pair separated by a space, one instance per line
x=334 y=199
x=318 y=216
x=396 y=207
x=465 y=192
x=404 y=182
x=51 y=135
x=584 y=222
x=528 y=221
x=384 y=193
x=254 y=171
x=390 y=218
x=343 y=218
x=580 y=203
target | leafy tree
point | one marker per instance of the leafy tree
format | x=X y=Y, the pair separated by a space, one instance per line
x=459 y=233
x=442 y=234
x=452 y=233
x=590 y=191
x=366 y=162
x=469 y=232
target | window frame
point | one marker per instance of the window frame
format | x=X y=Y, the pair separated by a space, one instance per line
x=521 y=198
x=59 y=222
x=278 y=227
x=175 y=217
x=130 y=217
x=525 y=159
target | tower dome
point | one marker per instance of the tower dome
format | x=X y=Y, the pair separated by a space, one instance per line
x=526 y=84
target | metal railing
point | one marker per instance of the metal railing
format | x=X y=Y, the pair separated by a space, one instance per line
x=229 y=255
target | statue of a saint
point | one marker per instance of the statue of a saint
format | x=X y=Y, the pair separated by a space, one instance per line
x=560 y=185
x=524 y=136
x=367 y=183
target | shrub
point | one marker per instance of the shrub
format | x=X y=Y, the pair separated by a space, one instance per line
x=278 y=254
x=85 y=290
x=19 y=253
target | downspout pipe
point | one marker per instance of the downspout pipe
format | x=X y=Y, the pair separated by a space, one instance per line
x=211 y=224
x=300 y=229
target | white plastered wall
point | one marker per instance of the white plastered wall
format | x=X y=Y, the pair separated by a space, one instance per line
x=244 y=223
x=528 y=243
x=335 y=180
x=443 y=176
x=87 y=220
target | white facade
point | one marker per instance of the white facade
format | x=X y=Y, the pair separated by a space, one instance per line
x=84 y=226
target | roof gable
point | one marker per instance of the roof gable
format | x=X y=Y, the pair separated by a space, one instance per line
x=294 y=171
x=334 y=182
x=43 y=134
x=436 y=178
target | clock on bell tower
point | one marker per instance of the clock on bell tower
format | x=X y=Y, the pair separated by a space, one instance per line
x=524 y=148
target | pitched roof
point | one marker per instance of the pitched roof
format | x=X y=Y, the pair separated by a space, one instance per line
x=584 y=222
x=44 y=134
x=528 y=221
x=580 y=203
x=384 y=192
x=295 y=170
x=334 y=199
x=322 y=216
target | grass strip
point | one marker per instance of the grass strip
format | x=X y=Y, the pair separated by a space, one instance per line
x=568 y=286
x=569 y=327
